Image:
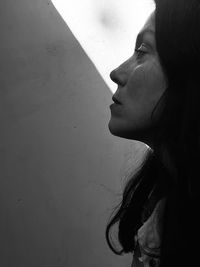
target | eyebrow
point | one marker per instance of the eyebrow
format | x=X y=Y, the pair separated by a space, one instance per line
x=141 y=35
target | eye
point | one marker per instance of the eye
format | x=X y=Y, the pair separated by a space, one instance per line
x=141 y=50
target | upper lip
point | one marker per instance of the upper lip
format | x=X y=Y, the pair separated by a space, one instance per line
x=116 y=100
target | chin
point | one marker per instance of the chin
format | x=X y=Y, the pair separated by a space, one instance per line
x=114 y=130
x=119 y=131
x=139 y=134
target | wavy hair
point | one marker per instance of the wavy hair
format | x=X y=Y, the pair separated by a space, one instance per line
x=177 y=25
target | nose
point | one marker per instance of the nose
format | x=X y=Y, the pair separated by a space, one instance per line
x=113 y=76
x=119 y=75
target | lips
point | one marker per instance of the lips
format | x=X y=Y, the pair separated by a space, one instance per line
x=116 y=101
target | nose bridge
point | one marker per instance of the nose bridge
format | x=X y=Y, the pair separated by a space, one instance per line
x=120 y=74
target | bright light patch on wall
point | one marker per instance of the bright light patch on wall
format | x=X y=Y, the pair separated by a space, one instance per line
x=106 y=29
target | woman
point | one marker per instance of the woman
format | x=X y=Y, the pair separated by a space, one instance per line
x=157 y=102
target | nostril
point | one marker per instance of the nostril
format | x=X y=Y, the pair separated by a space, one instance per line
x=119 y=76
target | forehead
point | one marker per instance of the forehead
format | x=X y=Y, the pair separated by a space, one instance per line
x=148 y=30
x=150 y=23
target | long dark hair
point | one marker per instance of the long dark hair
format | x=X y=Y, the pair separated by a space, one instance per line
x=177 y=25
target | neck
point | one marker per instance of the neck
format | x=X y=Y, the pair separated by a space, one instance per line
x=166 y=159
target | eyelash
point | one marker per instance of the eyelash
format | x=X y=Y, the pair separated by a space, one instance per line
x=139 y=52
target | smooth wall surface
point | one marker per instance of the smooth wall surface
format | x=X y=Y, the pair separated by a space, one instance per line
x=61 y=171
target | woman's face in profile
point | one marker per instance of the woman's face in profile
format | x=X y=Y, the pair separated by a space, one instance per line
x=141 y=83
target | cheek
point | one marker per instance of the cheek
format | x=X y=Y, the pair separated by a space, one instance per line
x=157 y=78
x=147 y=81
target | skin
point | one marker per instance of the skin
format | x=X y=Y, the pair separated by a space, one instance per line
x=141 y=83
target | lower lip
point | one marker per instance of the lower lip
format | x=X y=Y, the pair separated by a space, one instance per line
x=115 y=106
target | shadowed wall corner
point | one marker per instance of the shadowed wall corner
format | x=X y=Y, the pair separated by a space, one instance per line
x=60 y=168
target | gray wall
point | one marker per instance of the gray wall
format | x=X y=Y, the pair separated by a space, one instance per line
x=60 y=169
